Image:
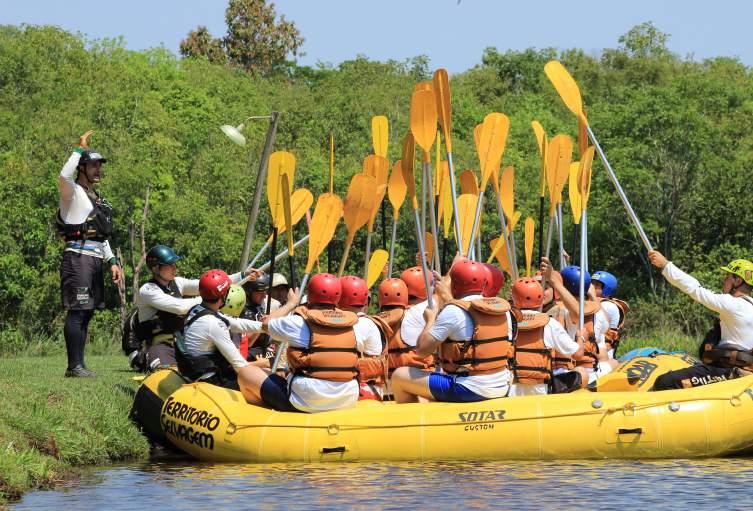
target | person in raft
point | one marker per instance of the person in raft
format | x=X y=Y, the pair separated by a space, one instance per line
x=727 y=350
x=323 y=353
x=474 y=336
x=206 y=350
x=84 y=221
x=605 y=288
x=355 y=298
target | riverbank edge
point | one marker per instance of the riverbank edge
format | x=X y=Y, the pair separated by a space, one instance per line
x=52 y=427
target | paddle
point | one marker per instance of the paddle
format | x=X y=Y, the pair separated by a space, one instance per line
x=529 y=235
x=507 y=200
x=568 y=90
x=327 y=214
x=559 y=155
x=380 y=142
x=541 y=140
x=423 y=126
x=490 y=147
x=281 y=163
x=288 y=227
x=396 y=190
x=409 y=154
x=358 y=205
x=584 y=182
x=574 y=194
x=441 y=85
x=377 y=167
x=466 y=211
x=376 y=265
x=499 y=251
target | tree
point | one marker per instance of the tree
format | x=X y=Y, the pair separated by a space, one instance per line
x=256 y=39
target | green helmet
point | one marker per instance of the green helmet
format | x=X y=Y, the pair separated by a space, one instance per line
x=742 y=268
x=235 y=301
x=161 y=254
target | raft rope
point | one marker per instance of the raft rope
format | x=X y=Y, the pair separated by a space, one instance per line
x=628 y=409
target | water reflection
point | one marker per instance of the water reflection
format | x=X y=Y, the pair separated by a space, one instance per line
x=482 y=485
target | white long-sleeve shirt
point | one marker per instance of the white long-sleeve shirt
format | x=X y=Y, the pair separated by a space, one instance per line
x=735 y=313
x=209 y=334
x=75 y=208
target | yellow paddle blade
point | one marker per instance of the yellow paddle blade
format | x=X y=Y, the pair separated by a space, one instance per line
x=585 y=176
x=429 y=245
x=359 y=201
x=513 y=222
x=376 y=265
x=499 y=251
x=331 y=163
x=582 y=138
x=280 y=162
x=377 y=167
x=445 y=200
x=507 y=189
x=327 y=214
x=566 y=88
x=285 y=185
x=541 y=140
x=559 y=156
x=530 y=227
x=466 y=213
x=468 y=182
x=491 y=145
x=423 y=118
x=574 y=191
x=441 y=83
x=300 y=201
x=396 y=189
x=380 y=135
x=423 y=86
x=381 y=191
x=437 y=164
x=477 y=136
x=408 y=162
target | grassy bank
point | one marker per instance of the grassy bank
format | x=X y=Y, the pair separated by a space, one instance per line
x=49 y=425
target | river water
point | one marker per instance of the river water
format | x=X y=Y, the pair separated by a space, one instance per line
x=634 y=485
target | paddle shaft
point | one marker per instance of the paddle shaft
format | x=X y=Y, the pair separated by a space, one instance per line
x=422 y=250
x=259 y=254
x=613 y=177
x=503 y=221
x=583 y=263
x=548 y=247
x=541 y=224
x=367 y=255
x=458 y=233
x=432 y=213
x=392 y=248
x=271 y=270
x=282 y=254
x=346 y=251
x=560 y=219
x=476 y=219
x=291 y=270
x=261 y=177
x=423 y=194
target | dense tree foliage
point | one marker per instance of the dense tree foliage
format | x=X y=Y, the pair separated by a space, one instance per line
x=676 y=130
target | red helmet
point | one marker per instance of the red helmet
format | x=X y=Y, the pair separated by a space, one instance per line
x=414 y=279
x=393 y=292
x=467 y=278
x=495 y=280
x=214 y=285
x=324 y=288
x=355 y=293
x=527 y=293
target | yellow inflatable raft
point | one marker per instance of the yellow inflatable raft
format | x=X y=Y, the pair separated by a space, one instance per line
x=620 y=420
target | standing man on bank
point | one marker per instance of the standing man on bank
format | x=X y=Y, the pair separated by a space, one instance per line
x=84 y=220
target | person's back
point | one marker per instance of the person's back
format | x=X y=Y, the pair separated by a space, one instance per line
x=616 y=310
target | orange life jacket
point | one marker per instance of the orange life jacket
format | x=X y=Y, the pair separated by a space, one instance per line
x=331 y=354
x=399 y=354
x=590 y=357
x=490 y=348
x=560 y=361
x=612 y=337
x=533 y=360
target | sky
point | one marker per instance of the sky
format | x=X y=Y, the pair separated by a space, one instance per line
x=452 y=33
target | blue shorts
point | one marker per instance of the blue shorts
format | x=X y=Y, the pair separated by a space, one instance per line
x=275 y=394
x=444 y=388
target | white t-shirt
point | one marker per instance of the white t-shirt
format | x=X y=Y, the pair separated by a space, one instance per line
x=75 y=207
x=208 y=334
x=413 y=323
x=612 y=312
x=556 y=337
x=735 y=313
x=314 y=394
x=456 y=324
x=367 y=330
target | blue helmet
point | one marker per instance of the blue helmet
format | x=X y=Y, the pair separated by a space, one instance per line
x=608 y=283
x=571 y=279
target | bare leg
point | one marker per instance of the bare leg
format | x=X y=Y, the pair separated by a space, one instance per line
x=584 y=376
x=250 y=380
x=409 y=384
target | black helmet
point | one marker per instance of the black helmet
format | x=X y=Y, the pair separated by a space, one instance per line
x=90 y=155
x=260 y=284
x=161 y=254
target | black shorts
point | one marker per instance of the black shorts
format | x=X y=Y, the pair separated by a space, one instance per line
x=82 y=282
x=274 y=392
x=695 y=376
x=160 y=356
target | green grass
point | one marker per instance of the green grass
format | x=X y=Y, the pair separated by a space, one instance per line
x=49 y=425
